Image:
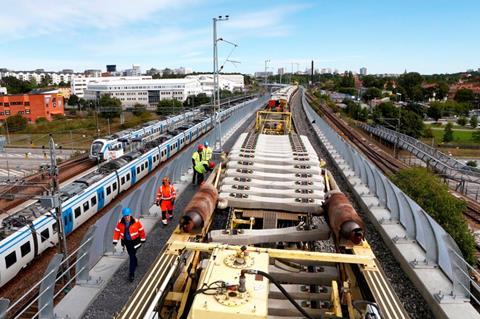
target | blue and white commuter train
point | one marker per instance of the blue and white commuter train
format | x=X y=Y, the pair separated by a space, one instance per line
x=29 y=232
x=115 y=146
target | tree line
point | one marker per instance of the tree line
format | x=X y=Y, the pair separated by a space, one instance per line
x=17 y=86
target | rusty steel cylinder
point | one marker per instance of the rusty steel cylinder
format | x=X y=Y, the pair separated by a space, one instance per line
x=343 y=219
x=200 y=209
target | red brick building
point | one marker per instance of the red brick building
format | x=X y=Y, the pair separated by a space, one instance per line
x=32 y=106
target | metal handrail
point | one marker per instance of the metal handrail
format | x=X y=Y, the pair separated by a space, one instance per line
x=25 y=295
x=458 y=167
x=419 y=224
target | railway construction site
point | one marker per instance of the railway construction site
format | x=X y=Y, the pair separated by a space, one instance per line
x=296 y=221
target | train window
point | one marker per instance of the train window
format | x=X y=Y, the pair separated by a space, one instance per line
x=44 y=235
x=138 y=170
x=146 y=164
x=86 y=206
x=128 y=177
x=11 y=259
x=122 y=181
x=77 y=212
x=115 y=186
x=55 y=227
x=93 y=201
x=25 y=249
x=109 y=190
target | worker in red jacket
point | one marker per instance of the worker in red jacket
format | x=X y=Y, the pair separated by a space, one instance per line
x=132 y=235
x=166 y=195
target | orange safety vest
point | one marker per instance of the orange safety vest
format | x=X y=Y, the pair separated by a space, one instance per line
x=166 y=193
x=137 y=233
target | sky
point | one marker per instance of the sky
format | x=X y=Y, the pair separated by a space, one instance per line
x=427 y=36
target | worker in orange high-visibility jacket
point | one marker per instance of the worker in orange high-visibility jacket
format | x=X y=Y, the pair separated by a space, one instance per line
x=166 y=195
x=132 y=235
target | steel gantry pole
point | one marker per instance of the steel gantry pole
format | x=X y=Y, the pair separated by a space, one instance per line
x=56 y=203
x=216 y=91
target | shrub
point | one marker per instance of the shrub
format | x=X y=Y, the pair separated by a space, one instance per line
x=448 y=134
x=41 y=120
x=433 y=196
x=474 y=121
x=462 y=121
x=428 y=133
x=472 y=163
x=58 y=117
x=16 y=123
x=139 y=109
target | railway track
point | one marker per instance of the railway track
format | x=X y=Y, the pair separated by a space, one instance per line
x=383 y=160
x=35 y=184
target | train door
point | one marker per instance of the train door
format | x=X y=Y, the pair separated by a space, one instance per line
x=150 y=164
x=168 y=151
x=68 y=221
x=134 y=175
x=101 y=198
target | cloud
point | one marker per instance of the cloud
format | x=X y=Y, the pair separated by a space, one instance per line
x=30 y=18
x=270 y=22
x=154 y=42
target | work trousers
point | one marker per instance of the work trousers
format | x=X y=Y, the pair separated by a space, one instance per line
x=200 y=178
x=195 y=175
x=132 y=253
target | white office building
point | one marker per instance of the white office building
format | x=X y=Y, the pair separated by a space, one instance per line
x=134 y=71
x=38 y=75
x=230 y=82
x=79 y=84
x=144 y=91
x=182 y=70
x=363 y=71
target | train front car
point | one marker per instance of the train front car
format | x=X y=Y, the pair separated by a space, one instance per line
x=96 y=149
x=106 y=150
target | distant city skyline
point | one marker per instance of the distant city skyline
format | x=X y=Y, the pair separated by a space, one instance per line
x=385 y=37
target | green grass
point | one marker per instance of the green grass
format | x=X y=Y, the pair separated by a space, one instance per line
x=461 y=135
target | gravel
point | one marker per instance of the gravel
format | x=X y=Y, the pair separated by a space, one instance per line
x=410 y=297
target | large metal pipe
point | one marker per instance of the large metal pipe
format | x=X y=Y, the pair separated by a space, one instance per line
x=200 y=209
x=343 y=219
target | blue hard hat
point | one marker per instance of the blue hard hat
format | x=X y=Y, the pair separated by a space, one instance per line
x=206 y=143
x=126 y=212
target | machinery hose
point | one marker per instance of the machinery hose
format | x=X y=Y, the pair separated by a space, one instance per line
x=280 y=287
